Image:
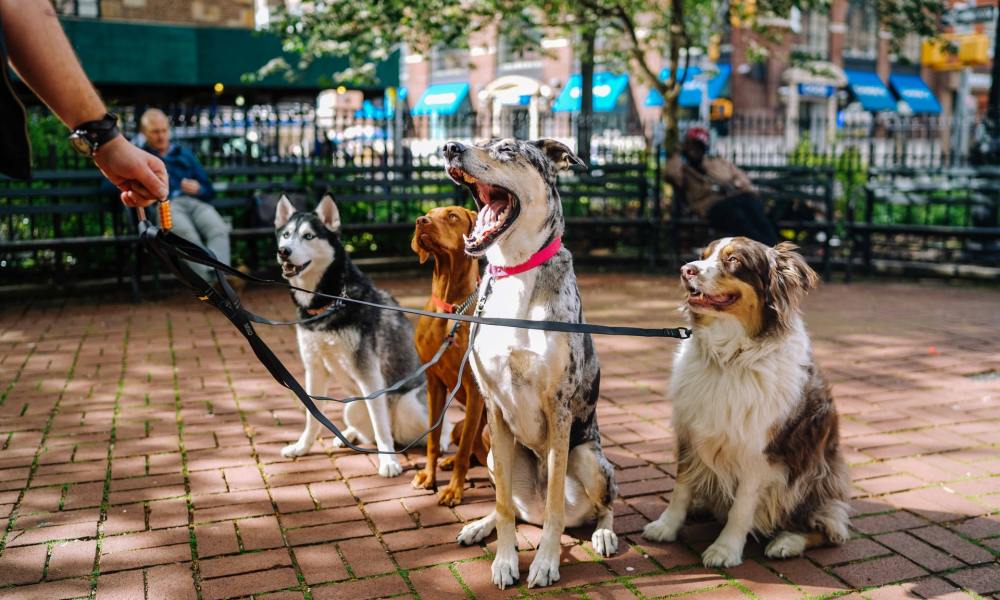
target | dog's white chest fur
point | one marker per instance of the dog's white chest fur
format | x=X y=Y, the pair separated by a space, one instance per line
x=729 y=392
x=333 y=351
x=516 y=367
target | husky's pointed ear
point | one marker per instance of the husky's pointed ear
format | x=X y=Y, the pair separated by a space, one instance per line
x=328 y=213
x=283 y=212
x=559 y=153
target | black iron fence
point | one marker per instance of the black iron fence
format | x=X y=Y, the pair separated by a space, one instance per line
x=866 y=194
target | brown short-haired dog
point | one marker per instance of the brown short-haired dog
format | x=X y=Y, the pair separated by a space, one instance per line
x=456 y=274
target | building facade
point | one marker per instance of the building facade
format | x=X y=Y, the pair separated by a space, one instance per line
x=823 y=66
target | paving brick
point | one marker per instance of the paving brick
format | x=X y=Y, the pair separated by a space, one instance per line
x=245 y=563
x=171 y=581
x=71 y=559
x=366 y=557
x=217 y=538
x=123 y=585
x=982 y=580
x=133 y=559
x=242 y=585
x=677 y=582
x=52 y=590
x=879 y=571
x=260 y=533
x=378 y=587
x=320 y=563
x=22 y=565
x=893 y=521
x=855 y=549
x=953 y=545
x=437 y=582
x=926 y=556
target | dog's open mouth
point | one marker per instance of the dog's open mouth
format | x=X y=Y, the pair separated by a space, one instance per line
x=498 y=208
x=289 y=269
x=699 y=298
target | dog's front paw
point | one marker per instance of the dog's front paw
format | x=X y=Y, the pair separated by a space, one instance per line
x=299 y=448
x=451 y=495
x=476 y=531
x=389 y=467
x=447 y=463
x=661 y=530
x=605 y=542
x=505 y=571
x=423 y=480
x=350 y=433
x=722 y=555
x=785 y=545
x=544 y=569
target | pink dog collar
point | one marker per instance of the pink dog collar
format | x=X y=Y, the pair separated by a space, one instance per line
x=537 y=259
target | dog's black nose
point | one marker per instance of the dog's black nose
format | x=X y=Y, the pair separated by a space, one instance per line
x=284 y=251
x=423 y=220
x=453 y=149
x=689 y=270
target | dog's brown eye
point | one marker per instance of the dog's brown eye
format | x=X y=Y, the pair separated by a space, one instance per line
x=452 y=217
x=733 y=260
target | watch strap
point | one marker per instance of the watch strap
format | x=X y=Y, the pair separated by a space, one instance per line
x=98 y=132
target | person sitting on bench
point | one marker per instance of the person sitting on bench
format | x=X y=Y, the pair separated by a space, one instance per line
x=718 y=190
x=194 y=218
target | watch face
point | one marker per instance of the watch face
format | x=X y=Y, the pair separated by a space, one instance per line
x=81 y=144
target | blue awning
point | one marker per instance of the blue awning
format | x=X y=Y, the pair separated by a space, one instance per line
x=915 y=92
x=691 y=90
x=870 y=91
x=608 y=89
x=370 y=111
x=441 y=99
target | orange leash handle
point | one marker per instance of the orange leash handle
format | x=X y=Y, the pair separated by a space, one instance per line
x=166 y=219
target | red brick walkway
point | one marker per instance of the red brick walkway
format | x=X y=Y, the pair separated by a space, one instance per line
x=139 y=457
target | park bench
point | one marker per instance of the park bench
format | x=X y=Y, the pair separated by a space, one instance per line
x=59 y=227
x=799 y=200
x=946 y=216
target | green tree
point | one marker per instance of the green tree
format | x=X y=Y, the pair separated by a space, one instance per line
x=634 y=33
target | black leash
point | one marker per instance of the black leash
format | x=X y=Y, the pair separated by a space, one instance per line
x=174 y=250
x=174 y=244
x=227 y=302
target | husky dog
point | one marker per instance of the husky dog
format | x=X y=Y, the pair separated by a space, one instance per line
x=365 y=347
x=541 y=388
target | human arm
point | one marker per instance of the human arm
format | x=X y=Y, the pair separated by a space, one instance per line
x=42 y=56
x=674 y=170
x=205 y=190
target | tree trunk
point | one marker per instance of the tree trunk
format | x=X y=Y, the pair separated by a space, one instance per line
x=993 y=106
x=584 y=120
x=672 y=93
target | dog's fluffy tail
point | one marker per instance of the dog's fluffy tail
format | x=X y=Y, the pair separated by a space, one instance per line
x=410 y=420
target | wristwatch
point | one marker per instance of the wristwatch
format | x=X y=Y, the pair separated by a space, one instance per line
x=88 y=137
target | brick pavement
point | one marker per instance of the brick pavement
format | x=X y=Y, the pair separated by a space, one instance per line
x=139 y=457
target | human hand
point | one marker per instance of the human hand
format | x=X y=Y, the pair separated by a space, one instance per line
x=140 y=176
x=191 y=187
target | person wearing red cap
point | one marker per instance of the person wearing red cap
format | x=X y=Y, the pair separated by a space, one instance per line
x=718 y=190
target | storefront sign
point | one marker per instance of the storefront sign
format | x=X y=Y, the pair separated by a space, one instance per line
x=815 y=90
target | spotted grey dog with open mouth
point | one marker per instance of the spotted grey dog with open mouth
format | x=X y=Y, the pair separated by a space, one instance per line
x=540 y=387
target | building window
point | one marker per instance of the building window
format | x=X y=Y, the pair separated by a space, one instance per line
x=909 y=50
x=861 y=38
x=449 y=61
x=89 y=9
x=530 y=57
x=815 y=36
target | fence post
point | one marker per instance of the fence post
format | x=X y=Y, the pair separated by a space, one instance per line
x=657 y=229
x=828 y=199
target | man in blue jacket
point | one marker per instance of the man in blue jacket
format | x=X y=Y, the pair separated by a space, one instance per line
x=190 y=189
